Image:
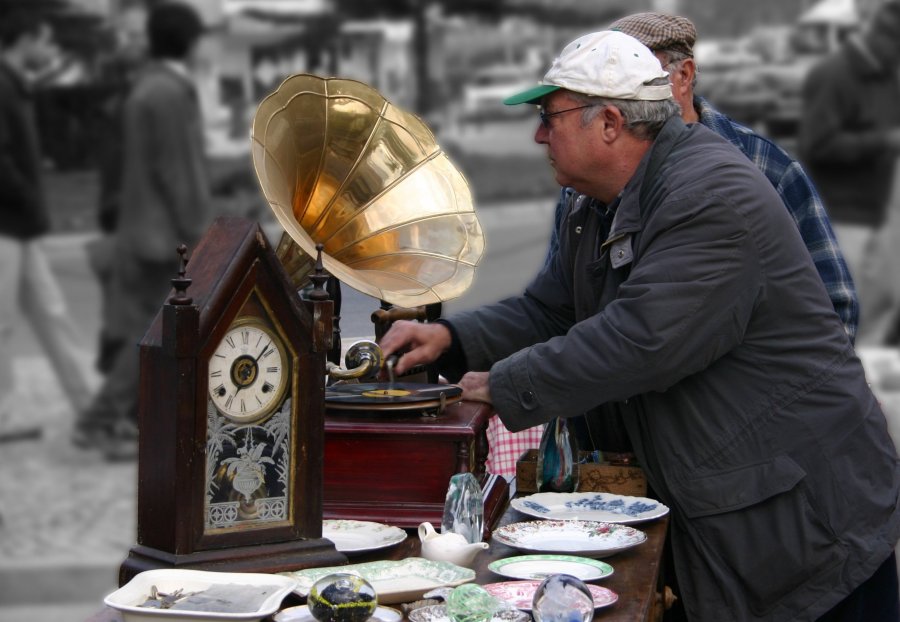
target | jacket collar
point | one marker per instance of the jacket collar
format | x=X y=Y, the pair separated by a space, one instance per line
x=628 y=215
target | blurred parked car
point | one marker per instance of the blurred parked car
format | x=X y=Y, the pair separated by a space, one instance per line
x=758 y=79
x=483 y=95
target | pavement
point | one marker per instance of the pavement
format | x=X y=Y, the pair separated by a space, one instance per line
x=67 y=517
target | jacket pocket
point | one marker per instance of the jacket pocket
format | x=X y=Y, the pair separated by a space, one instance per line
x=760 y=523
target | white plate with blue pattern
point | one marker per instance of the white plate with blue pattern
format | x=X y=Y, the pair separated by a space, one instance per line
x=592 y=506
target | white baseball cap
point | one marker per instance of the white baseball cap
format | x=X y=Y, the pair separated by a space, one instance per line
x=606 y=64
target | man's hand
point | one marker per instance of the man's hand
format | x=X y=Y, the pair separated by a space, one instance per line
x=476 y=386
x=425 y=342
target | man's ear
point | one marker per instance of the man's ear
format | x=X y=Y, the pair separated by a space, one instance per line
x=612 y=123
x=682 y=76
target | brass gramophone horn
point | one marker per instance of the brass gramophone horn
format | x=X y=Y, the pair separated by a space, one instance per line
x=341 y=165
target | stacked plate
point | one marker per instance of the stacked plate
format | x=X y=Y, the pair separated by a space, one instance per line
x=354 y=537
x=594 y=506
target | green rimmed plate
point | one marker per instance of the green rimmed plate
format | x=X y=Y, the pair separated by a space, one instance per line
x=540 y=566
x=400 y=581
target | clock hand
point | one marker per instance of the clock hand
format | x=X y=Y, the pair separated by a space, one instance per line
x=262 y=353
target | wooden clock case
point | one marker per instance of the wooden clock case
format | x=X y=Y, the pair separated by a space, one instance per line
x=232 y=274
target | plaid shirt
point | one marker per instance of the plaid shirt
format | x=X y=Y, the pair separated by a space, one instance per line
x=799 y=197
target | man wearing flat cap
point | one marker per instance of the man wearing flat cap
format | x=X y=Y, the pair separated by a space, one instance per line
x=672 y=38
x=682 y=298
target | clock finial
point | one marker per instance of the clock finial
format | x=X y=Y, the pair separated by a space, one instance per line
x=319 y=277
x=181 y=282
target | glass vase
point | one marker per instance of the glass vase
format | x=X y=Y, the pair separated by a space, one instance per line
x=464 y=508
x=557 y=459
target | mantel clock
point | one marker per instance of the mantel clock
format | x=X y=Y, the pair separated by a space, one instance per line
x=231 y=415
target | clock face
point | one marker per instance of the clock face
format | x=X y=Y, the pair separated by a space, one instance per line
x=248 y=372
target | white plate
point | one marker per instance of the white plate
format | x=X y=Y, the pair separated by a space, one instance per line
x=438 y=613
x=127 y=598
x=394 y=581
x=357 y=536
x=541 y=566
x=302 y=614
x=519 y=594
x=570 y=537
x=600 y=506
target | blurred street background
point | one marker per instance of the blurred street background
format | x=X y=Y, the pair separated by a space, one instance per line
x=67 y=518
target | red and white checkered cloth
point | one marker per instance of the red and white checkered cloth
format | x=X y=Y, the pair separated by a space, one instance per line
x=505 y=447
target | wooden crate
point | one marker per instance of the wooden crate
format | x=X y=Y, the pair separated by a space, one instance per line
x=592 y=477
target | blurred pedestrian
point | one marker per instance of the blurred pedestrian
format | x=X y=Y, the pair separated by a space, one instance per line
x=165 y=201
x=118 y=76
x=27 y=282
x=850 y=140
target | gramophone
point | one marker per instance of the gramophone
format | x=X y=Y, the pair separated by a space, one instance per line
x=250 y=431
x=345 y=170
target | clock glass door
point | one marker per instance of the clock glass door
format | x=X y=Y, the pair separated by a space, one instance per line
x=249 y=421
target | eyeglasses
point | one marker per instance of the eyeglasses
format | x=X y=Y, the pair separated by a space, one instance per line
x=545 y=116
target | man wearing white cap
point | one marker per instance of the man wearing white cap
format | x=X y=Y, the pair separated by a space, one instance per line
x=671 y=38
x=683 y=299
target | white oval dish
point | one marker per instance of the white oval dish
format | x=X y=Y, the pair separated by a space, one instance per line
x=541 y=566
x=569 y=537
x=519 y=594
x=597 y=506
x=127 y=599
x=357 y=536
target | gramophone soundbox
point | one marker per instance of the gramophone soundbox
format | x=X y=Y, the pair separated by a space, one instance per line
x=344 y=169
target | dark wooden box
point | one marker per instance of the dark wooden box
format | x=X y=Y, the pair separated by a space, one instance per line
x=592 y=477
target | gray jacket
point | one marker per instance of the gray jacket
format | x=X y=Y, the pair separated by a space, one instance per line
x=701 y=319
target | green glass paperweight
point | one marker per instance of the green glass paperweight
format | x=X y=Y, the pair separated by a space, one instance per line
x=471 y=603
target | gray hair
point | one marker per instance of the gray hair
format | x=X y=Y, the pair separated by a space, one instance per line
x=643 y=119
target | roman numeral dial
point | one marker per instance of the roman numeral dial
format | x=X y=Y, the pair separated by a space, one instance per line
x=248 y=372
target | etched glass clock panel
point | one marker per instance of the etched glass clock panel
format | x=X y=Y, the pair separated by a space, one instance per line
x=248 y=469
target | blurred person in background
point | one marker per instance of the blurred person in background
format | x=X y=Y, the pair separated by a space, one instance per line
x=165 y=201
x=27 y=283
x=118 y=76
x=850 y=140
